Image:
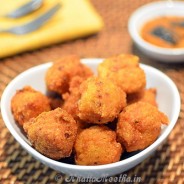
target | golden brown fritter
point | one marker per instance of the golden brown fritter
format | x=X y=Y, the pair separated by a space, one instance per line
x=52 y=133
x=59 y=75
x=71 y=98
x=97 y=145
x=123 y=70
x=28 y=103
x=139 y=125
x=146 y=95
x=101 y=101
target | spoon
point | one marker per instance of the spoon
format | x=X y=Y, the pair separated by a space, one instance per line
x=165 y=34
x=34 y=24
x=25 y=9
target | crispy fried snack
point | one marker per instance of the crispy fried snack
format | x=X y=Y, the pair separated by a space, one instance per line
x=101 y=101
x=96 y=146
x=28 y=103
x=71 y=98
x=59 y=75
x=146 y=95
x=123 y=70
x=139 y=125
x=52 y=133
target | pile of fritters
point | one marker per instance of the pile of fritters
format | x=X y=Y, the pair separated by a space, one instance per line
x=95 y=118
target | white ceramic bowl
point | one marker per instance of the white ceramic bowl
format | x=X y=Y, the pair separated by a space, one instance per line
x=149 y=12
x=168 y=100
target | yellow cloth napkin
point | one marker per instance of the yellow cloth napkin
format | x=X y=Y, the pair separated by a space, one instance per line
x=75 y=18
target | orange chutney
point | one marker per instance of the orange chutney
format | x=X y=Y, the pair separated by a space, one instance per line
x=167 y=32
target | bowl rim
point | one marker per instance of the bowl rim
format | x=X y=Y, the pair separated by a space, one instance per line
x=45 y=159
x=136 y=36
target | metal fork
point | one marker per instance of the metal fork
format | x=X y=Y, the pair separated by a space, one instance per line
x=25 y=9
x=34 y=24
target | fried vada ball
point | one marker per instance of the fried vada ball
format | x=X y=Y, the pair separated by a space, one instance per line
x=139 y=125
x=71 y=98
x=101 y=101
x=28 y=103
x=97 y=145
x=52 y=133
x=123 y=70
x=146 y=95
x=59 y=75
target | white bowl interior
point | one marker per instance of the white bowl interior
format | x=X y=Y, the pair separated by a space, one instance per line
x=168 y=100
x=149 y=12
x=155 y=10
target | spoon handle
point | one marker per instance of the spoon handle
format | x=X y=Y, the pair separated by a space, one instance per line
x=25 y=9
